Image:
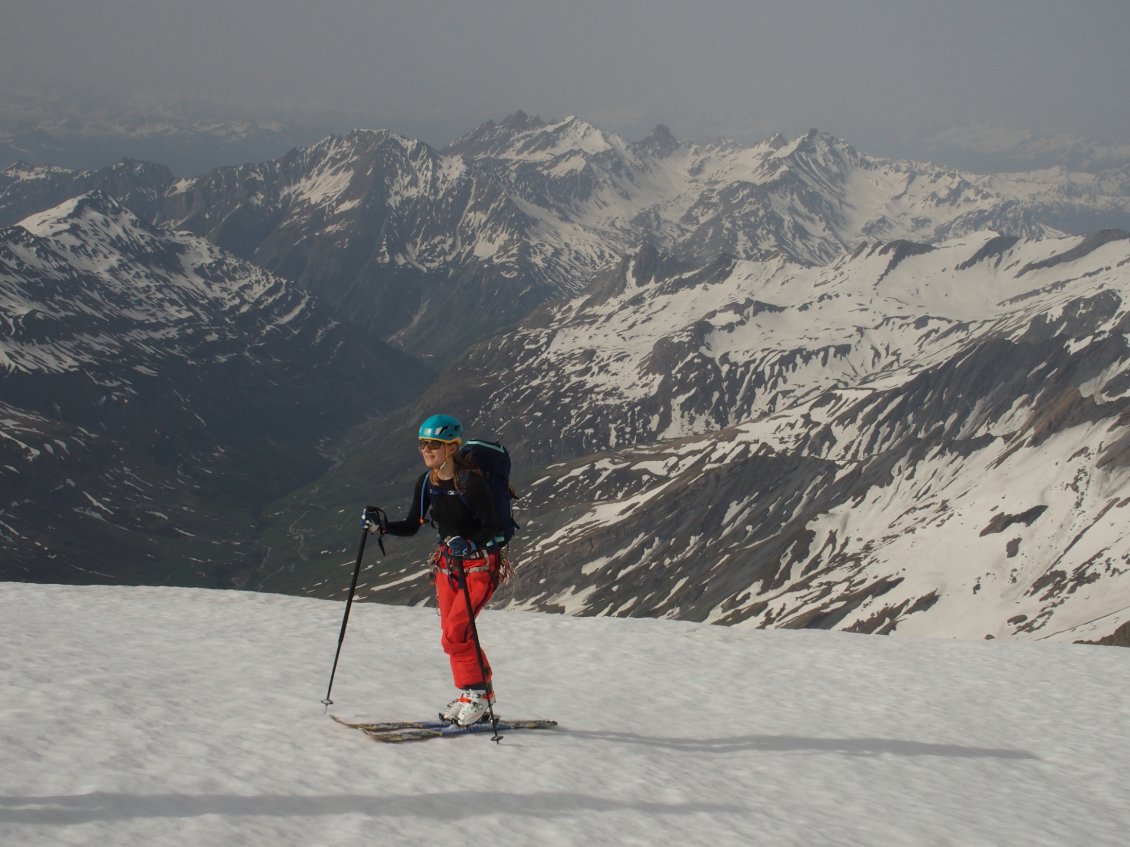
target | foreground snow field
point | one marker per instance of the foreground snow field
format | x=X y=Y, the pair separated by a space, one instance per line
x=175 y=716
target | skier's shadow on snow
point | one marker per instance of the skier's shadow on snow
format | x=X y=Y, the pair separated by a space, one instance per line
x=799 y=743
x=69 y=810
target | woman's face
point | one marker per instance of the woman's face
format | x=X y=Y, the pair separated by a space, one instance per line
x=435 y=453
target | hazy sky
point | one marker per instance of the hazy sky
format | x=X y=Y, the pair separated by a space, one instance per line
x=871 y=71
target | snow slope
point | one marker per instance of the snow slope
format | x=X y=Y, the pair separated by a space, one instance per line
x=180 y=716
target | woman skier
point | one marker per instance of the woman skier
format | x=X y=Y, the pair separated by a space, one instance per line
x=454 y=490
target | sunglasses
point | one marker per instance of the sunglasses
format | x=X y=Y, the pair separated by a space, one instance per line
x=426 y=444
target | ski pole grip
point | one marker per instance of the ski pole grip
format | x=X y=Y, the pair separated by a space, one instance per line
x=377 y=515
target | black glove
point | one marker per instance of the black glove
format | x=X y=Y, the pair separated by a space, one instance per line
x=460 y=547
x=374 y=520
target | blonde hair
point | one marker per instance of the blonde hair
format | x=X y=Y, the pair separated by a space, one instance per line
x=463 y=462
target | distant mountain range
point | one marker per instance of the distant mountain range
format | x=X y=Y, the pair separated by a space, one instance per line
x=88 y=130
x=395 y=234
x=787 y=384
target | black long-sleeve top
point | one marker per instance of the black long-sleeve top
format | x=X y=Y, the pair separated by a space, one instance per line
x=474 y=519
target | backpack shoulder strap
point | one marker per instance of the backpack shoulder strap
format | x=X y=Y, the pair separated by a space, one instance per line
x=425 y=494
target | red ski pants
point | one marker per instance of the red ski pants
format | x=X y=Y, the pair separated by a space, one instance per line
x=457 y=640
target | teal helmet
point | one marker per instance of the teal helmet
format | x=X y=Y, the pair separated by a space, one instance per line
x=442 y=428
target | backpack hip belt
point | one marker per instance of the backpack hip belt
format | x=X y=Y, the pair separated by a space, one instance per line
x=489 y=561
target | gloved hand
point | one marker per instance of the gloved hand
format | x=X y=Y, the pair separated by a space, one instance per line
x=373 y=520
x=460 y=547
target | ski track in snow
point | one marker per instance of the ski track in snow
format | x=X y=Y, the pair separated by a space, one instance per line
x=180 y=716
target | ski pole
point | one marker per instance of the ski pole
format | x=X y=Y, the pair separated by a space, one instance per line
x=461 y=573
x=353 y=590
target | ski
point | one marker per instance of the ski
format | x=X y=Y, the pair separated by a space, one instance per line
x=397 y=731
x=386 y=726
x=452 y=731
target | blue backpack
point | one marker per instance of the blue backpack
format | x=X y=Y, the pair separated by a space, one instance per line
x=494 y=461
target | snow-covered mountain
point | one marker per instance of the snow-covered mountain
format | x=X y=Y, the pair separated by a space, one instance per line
x=27 y=190
x=922 y=439
x=1071 y=199
x=396 y=234
x=153 y=390
x=518 y=212
x=927 y=440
